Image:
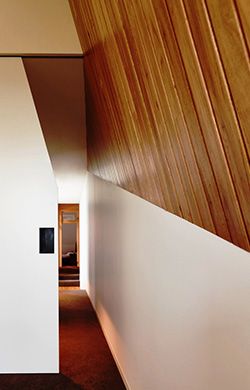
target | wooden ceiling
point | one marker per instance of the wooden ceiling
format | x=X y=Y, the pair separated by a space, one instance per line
x=168 y=112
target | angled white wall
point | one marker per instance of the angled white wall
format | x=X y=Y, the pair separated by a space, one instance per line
x=28 y=193
x=57 y=86
x=37 y=27
x=173 y=299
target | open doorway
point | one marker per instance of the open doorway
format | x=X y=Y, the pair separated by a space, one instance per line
x=69 y=249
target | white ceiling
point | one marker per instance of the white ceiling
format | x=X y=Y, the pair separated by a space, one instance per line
x=37 y=26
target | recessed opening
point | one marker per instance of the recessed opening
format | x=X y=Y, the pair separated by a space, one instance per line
x=69 y=249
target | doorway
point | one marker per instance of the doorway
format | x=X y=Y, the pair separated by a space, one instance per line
x=68 y=248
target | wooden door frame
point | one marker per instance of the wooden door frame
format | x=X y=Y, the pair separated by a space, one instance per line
x=68 y=207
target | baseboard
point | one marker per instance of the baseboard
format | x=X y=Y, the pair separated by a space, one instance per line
x=111 y=349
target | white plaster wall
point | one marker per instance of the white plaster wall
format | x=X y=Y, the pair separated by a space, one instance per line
x=28 y=193
x=57 y=85
x=84 y=235
x=173 y=299
x=37 y=27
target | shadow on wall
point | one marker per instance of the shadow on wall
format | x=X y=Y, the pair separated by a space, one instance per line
x=104 y=213
x=169 y=292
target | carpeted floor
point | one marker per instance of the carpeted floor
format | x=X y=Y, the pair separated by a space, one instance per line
x=85 y=359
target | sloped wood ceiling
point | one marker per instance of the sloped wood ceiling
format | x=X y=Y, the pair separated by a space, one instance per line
x=168 y=105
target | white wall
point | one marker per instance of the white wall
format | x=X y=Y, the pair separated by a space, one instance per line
x=84 y=235
x=173 y=299
x=37 y=26
x=28 y=193
x=59 y=83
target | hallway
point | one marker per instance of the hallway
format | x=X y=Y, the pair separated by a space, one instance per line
x=124 y=165
x=84 y=354
x=85 y=359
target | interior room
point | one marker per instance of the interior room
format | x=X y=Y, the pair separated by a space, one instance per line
x=125 y=187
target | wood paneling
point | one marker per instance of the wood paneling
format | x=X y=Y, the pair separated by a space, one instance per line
x=168 y=113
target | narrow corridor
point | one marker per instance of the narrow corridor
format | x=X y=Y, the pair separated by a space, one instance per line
x=85 y=359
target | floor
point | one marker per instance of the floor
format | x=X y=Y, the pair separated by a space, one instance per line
x=85 y=359
x=85 y=356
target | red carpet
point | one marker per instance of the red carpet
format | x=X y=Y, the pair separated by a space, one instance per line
x=85 y=356
x=85 y=359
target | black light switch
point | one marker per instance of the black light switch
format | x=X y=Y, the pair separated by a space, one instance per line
x=46 y=240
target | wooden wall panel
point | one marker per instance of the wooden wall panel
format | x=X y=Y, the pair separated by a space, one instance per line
x=168 y=113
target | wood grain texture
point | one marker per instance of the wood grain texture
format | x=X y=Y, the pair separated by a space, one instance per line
x=168 y=114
